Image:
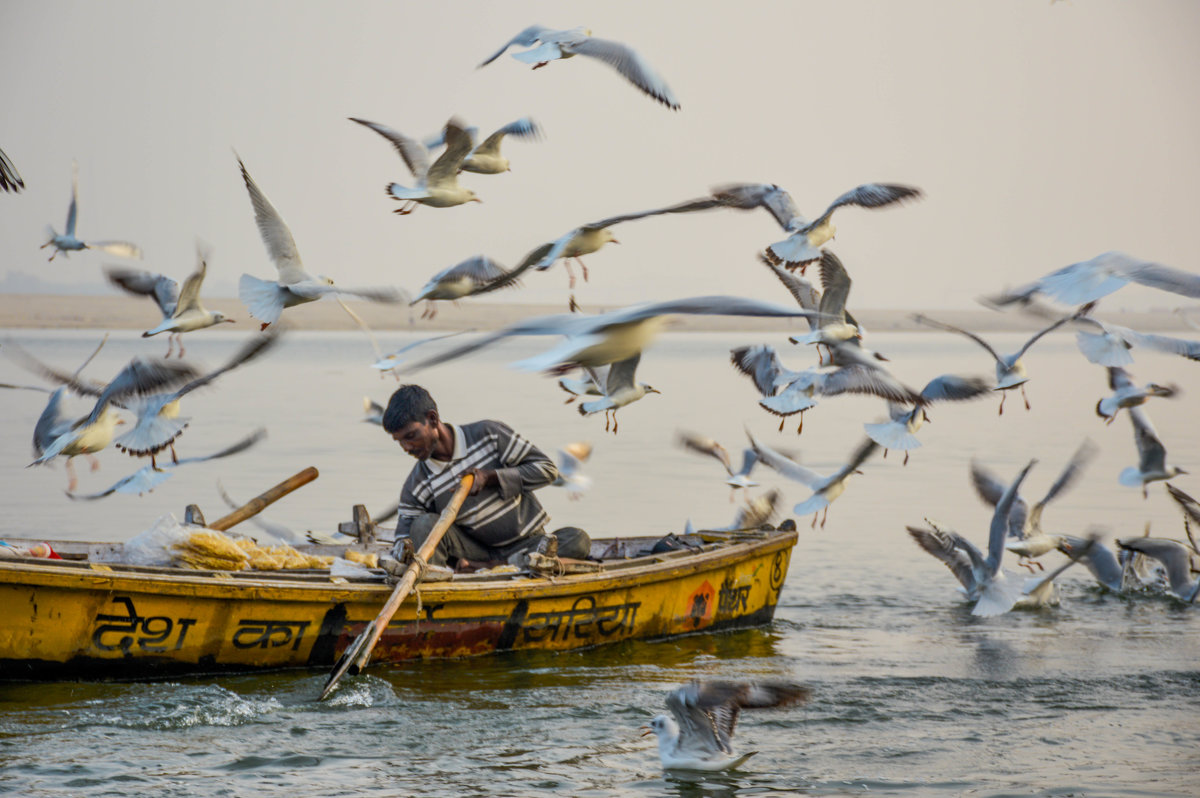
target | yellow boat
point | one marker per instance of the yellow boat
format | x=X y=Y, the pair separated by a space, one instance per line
x=79 y=618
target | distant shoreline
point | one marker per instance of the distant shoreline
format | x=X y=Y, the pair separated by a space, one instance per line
x=48 y=312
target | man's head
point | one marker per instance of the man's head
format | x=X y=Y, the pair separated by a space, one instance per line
x=411 y=418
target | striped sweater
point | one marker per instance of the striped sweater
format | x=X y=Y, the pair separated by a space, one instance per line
x=494 y=517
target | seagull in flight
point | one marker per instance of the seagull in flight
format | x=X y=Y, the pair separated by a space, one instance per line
x=899 y=431
x=620 y=389
x=10 y=178
x=1152 y=455
x=1089 y=280
x=708 y=446
x=1125 y=393
x=1010 y=370
x=825 y=489
x=463 y=279
x=698 y=734
x=267 y=299
x=553 y=45
x=570 y=469
x=437 y=183
x=805 y=238
x=485 y=158
x=181 y=310
x=67 y=242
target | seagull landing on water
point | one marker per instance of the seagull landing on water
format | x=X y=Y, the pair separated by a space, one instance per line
x=267 y=299
x=485 y=158
x=67 y=242
x=1010 y=371
x=1175 y=557
x=698 y=734
x=559 y=44
x=437 y=183
x=1152 y=455
x=181 y=309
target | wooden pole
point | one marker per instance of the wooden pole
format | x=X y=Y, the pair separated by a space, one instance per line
x=358 y=653
x=262 y=501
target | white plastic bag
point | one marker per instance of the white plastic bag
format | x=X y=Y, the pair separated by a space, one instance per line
x=154 y=546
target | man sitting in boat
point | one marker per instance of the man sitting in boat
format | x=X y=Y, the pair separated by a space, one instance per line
x=501 y=519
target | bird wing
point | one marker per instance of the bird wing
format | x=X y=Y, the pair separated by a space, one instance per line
x=10 y=178
x=1118 y=378
x=621 y=375
x=998 y=530
x=862 y=379
x=49 y=423
x=276 y=236
x=122 y=249
x=145 y=479
x=1175 y=557
x=1164 y=278
x=718 y=305
x=857 y=458
x=413 y=152
x=954 y=387
x=991 y=489
x=526 y=38
x=458 y=146
x=142 y=377
x=687 y=206
x=747 y=196
x=788 y=468
x=1163 y=343
x=163 y=289
x=478 y=269
x=1034 y=338
x=1070 y=474
x=524 y=128
x=921 y=319
x=708 y=446
x=1152 y=456
x=835 y=288
x=189 y=295
x=803 y=291
x=1190 y=507
x=73 y=209
x=630 y=64
x=511 y=277
x=557 y=324
x=949 y=547
x=697 y=732
x=236 y=448
x=761 y=364
x=250 y=350
x=870 y=195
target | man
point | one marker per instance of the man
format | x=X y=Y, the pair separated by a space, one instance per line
x=500 y=519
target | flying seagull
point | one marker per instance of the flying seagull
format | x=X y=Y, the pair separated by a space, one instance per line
x=10 y=178
x=1152 y=455
x=437 y=183
x=825 y=489
x=698 y=734
x=181 y=309
x=559 y=44
x=620 y=389
x=67 y=242
x=1089 y=280
x=485 y=158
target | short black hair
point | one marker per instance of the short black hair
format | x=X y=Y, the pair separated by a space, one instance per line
x=409 y=403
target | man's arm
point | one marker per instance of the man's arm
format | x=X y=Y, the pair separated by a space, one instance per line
x=410 y=506
x=524 y=466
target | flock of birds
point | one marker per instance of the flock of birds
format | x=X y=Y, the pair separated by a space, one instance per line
x=607 y=349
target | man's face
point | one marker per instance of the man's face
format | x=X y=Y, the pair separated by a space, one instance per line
x=418 y=438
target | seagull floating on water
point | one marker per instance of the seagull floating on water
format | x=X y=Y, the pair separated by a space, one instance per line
x=559 y=44
x=67 y=242
x=698 y=734
x=181 y=309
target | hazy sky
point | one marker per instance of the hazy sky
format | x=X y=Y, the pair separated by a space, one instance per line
x=1042 y=133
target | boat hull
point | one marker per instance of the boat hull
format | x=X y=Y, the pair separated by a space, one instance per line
x=94 y=621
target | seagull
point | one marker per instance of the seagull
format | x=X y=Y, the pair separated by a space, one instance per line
x=982 y=579
x=570 y=469
x=601 y=339
x=899 y=432
x=558 y=44
x=801 y=289
x=1040 y=591
x=589 y=238
x=95 y=431
x=698 y=734
x=1191 y=512
x=786 y=392
x=67 y=242
x=1126 y=394
x=372 y=411
x=589 y=385
x=437 y=183
x=1029 y=540
x=460 y=280
x=1102 y=563
x=10 y=178
x=833 y=325
x=705 y=445
x=619 y=390
x=266 y=299
x=147 y=478
x=805 y=238
x=1010 y=371
x=181 y=310
x=1110 y=346
x=1089 y=280
x=485 y=158
x=1175 y=557
x=825 y=489
x=392 y=360
x=1152 y=455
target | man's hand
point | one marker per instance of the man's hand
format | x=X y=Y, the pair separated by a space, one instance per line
x=483 y=477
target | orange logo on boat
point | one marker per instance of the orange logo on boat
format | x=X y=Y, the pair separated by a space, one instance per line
x=701 y=604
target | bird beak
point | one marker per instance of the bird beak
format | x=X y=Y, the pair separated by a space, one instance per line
x=476 y=199
x=880 y=357
x=857 y=471
x=1180 y=470
x=653 y=390
x=231 y=321
x=120 y=421
x=645 y=730
x=615 y=241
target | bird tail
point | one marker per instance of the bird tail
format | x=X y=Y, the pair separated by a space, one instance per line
x=999 y=596
x=793 y=250
x=261 y=297
x=400 y=192
x=892 y=435
x=1102 y=350
x=587 y=408
x=1131 y=477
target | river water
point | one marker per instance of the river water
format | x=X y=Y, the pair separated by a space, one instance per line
x=912 y=696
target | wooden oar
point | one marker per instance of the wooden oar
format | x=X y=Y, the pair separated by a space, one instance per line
x=358 y=653
x=262 y=501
